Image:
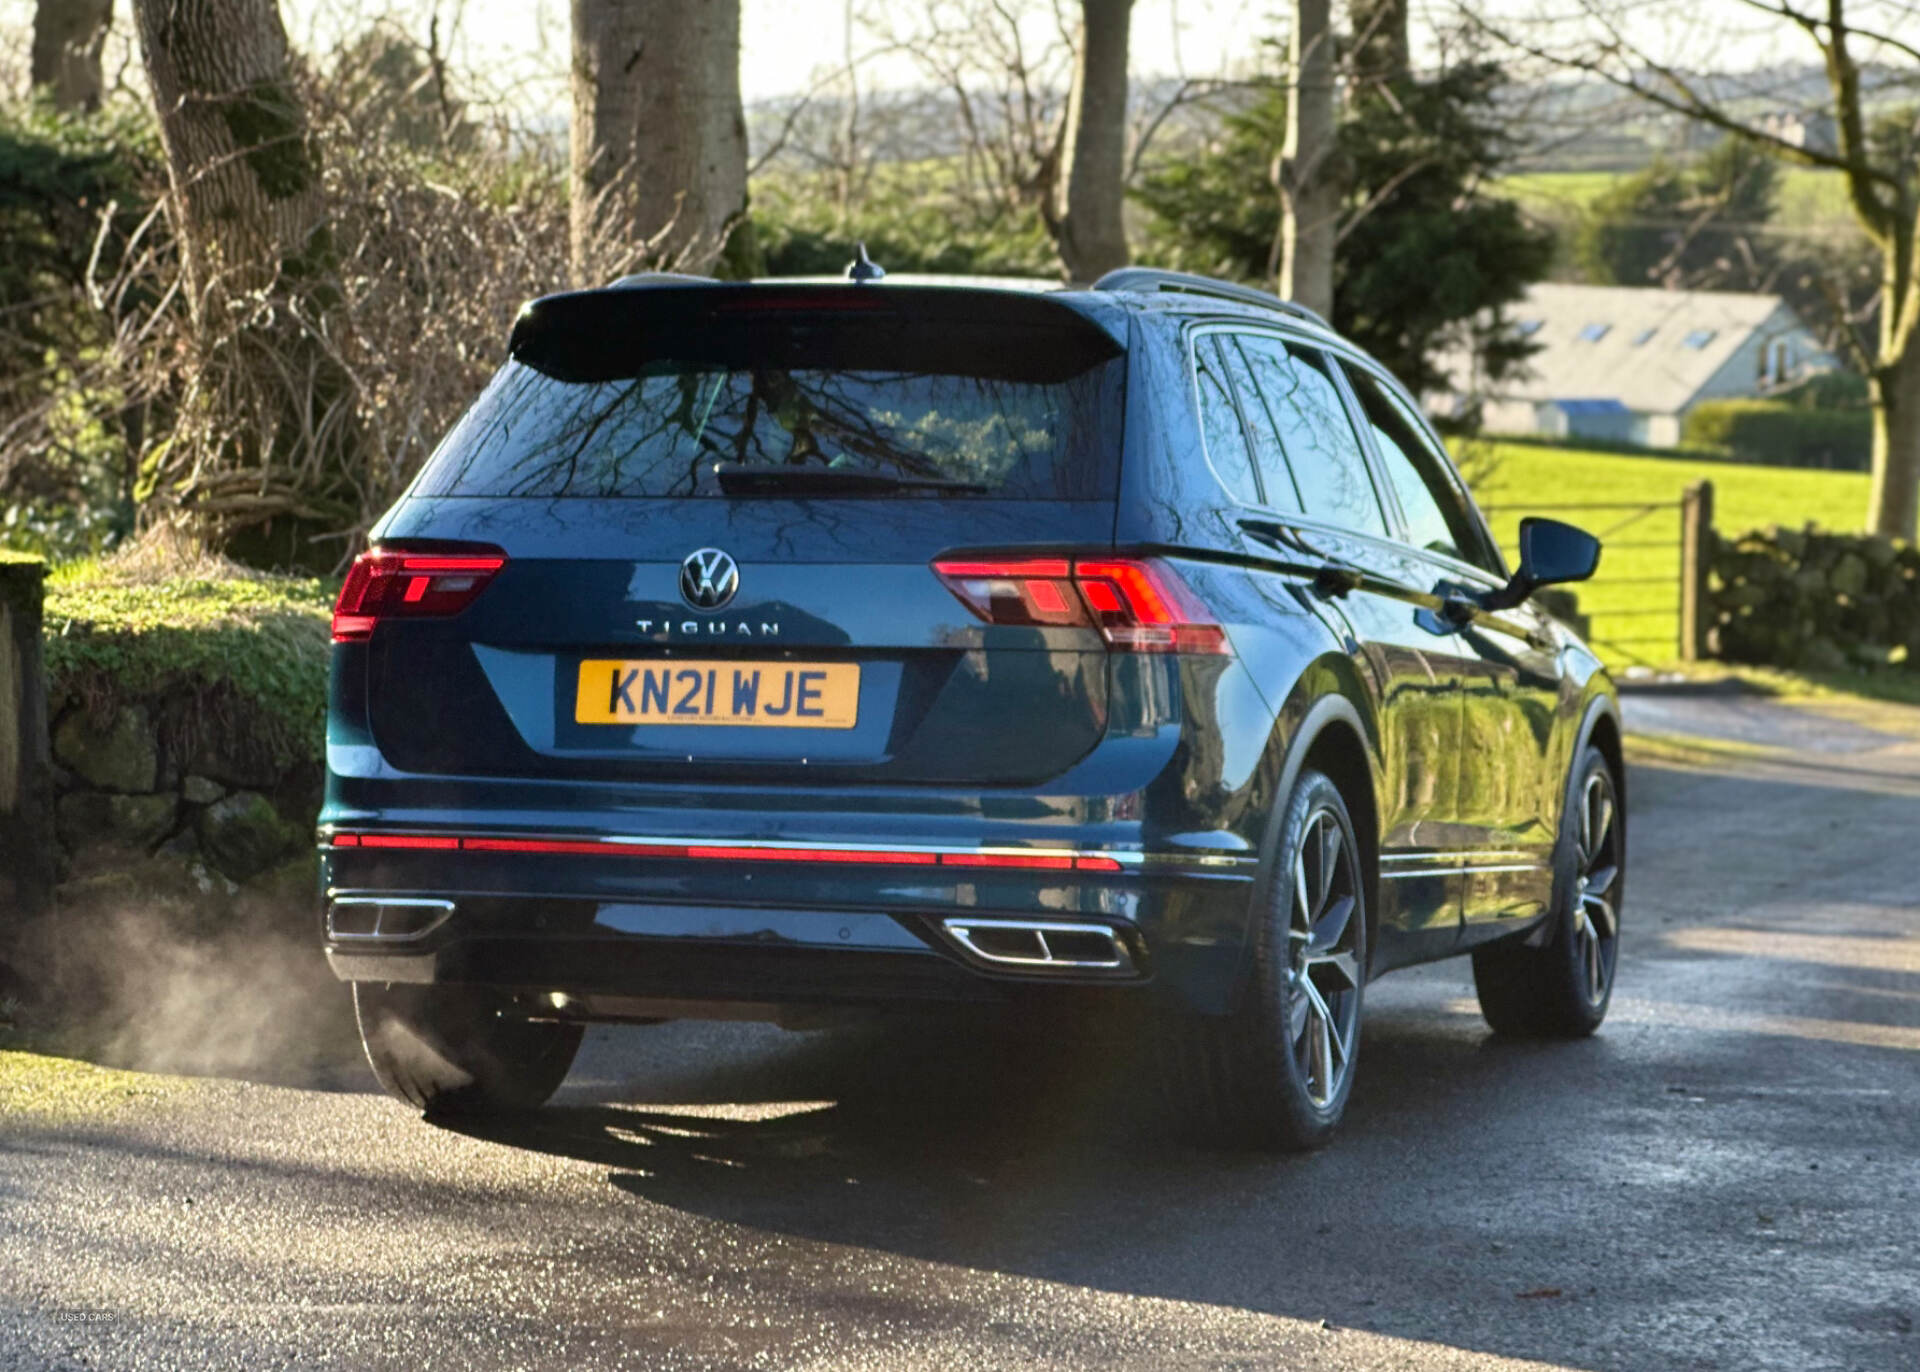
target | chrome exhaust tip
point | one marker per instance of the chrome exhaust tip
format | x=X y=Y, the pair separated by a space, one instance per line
x=1039 y=945
x=385 y=919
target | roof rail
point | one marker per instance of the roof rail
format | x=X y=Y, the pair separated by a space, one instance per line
x=1150 y=279
x=638 y=279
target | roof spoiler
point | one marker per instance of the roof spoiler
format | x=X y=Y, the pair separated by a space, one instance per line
x=603 y=335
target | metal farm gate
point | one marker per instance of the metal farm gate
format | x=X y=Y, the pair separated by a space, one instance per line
x=1644 y=602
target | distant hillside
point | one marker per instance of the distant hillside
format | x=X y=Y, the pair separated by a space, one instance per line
x=1566 y=125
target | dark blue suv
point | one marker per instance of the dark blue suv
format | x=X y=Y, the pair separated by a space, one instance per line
x=781 y=649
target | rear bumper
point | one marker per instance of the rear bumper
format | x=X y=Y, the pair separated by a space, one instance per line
x=783 y=924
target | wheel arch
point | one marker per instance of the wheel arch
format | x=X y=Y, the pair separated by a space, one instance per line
x=1331 y=731
x=1601 y=727
x=1339 y=750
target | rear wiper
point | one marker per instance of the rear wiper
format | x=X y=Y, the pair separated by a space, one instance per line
x=752 y=478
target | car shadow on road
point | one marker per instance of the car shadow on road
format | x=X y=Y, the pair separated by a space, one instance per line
x=1039 y=1158
x=1532 y=1200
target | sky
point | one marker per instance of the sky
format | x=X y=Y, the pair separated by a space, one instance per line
x=521 y=45
x=784 y=43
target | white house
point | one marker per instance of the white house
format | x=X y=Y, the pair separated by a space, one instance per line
x=1626 y=363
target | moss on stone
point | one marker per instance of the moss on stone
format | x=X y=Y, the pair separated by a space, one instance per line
x=259 y=643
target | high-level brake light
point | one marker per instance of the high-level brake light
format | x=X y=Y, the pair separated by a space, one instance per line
x=394 y=583
x=1139 y=604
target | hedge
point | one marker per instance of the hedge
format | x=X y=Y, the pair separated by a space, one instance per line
x=1780 y=434
x=227 y=644
x=1814 y=601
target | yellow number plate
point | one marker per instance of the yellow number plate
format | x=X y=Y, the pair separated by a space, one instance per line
x=785 y=695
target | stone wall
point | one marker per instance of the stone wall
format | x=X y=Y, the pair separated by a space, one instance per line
x=178 y=775
x=1813 y=601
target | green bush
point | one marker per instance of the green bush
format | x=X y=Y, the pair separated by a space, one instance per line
x=1781 y=434
x=72 y=188
x=1428 y=257
x=238 y=651
x=913 y=218
x=1839 y=389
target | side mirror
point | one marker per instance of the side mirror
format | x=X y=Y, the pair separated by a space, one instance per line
x=1550 y=553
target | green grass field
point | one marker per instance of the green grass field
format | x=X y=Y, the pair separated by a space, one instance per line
x=1634 y=600
x=1808 y=198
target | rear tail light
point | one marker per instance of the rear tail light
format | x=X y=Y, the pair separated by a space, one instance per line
x=393 y=584
x=1034 y=591
x=1139 y=604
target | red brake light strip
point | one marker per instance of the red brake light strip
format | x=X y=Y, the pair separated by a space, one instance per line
x=865 y=857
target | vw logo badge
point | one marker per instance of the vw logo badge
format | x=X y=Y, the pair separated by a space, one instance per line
x=708 y=579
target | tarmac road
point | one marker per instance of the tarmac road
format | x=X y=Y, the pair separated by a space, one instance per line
x=1727 y=1176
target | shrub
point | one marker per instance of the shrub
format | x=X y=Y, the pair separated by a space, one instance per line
x=1781 y=434
x=219 y=648
x=74 y=190
x=1427 y=260
x=1835 y=390
x=912 y=219
x=282 y=427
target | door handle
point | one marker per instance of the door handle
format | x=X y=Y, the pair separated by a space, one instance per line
x=1332 y=578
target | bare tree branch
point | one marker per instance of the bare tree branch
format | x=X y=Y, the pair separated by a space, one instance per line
x=1684 y=99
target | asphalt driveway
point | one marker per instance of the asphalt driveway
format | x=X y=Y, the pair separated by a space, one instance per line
x=1727 y=1176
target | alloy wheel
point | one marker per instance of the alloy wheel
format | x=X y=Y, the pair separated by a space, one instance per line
x=1323 y=969
x=1596 y=919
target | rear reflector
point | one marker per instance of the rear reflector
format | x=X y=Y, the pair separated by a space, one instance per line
x=997 y=860
x=433 y=841
x=1139 y=605
x=1037 y=860
x=392 y=583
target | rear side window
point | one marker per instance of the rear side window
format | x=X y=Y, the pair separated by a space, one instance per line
x=1263 y=430
x=1019 y=411
x=1438 y=519
x=1226 y=441
x=1321 y=449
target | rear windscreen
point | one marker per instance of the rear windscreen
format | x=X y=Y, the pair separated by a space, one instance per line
x=597 y=402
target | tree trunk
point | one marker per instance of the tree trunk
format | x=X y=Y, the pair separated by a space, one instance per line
x=67 y=38
x=1308 y=169
x=1893 y=498
x=659 y=140
x=263 y=461
x=246 y=180
x=1382 y=50
x=1089 y=231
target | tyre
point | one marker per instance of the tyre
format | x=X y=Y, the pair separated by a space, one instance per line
x=448 y=1050
x=1561 y=989
x=1277 y=1072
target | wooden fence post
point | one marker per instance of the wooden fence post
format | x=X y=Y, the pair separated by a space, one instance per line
x=26 y=781
x=1696 y=558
